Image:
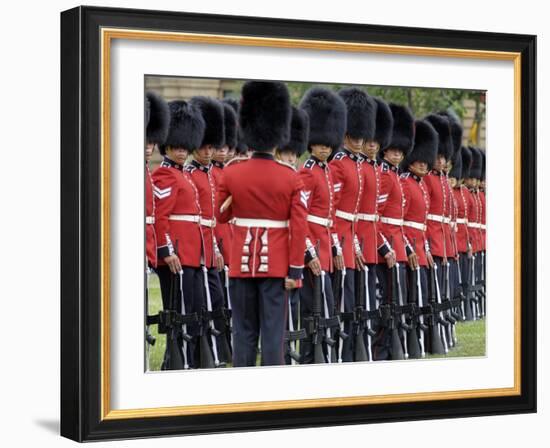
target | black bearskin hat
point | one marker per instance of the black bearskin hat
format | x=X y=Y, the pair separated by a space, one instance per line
x=327 y=117
x=466 y=161
x=233 y=103
x=265 y=114
x=425 y=144
x=157 y=118
x=230 y=123
x=240 y=147
x=384 y=123
x=456 y=170
x=186 y=127
x=212 y=113
x=361 y=117
x=477 y=162
x=456 y=129
x=403 y=129
x=443 y=129
x=299 y=133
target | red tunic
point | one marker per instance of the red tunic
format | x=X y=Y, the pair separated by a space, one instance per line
x=176 y=197
x=439 y=215
x=204 y=181
x=263 y=189
x=348 y=187
x=368 y=232
x=150 y=237
x=391 y=206
x=482 y=201
x=479 y=217
x=319 y=186
x=472 y=219
x=223 y=230
x=417 y=204
x=462 y=234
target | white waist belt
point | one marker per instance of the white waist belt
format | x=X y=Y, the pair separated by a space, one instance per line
x=149 y=220
x=392 y=221
x=347 y=216
x=266 y=223
x=367 y=217
x=439 y=218
x=415 y=225
x=325 y=222
x=483 y=226
x=474 y=225
x=188 y=218
x=462 y=220
x=208 y=222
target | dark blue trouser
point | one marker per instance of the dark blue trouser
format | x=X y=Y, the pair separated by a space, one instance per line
x=382 y=340
x=306 y=305
x=349 y=301
x=259 y=310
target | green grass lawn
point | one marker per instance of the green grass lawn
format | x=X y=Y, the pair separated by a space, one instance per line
x=470 y=335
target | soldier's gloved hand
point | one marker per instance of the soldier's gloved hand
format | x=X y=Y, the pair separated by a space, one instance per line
x=360 y=260
x=219 y=262
x=173 y=263
x=315 y=266
x=291 y=283
x=413 y=260
x=430 y=259
x=339 y=262
x=390 y=259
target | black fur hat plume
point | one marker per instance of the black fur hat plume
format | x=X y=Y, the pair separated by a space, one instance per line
x=212 y=113
x=157 y=118
x=265 y=114
x=327 y=117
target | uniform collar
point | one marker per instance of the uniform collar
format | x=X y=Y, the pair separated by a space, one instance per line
x=218 y=164
x=356 y=157
x=170 y=163
x=391 y=167
x=262 y=155
x=414 y=176
x=318 y=161
x=200 y=166
x=370 y=161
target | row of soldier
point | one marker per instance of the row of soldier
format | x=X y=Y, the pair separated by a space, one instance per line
x=372 y=250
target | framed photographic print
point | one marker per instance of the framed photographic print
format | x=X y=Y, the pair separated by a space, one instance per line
x=275 y=223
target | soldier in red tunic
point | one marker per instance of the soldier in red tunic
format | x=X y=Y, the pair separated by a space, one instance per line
x=368 y=218
x=177 y=226
x=157 y=120
x=391 y=207
x=327 y=125
x=266 y=202
x=416 y=166
x=475 y=220
x=482 y=203
x=200 y=170
x=462 y=161
x=348 y=186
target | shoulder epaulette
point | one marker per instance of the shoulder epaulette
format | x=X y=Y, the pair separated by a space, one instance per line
x=288 y=165
x=164 y=165
x=385 y=167
x=190 y=168
x=405 y=175
x=309 y=164
x=339 y=155
x=236 y=160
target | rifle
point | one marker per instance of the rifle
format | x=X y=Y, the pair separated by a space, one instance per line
x=331 y=322
x=447 y=306
x=228 y=312
x=149 y=338
x=399 y=309
x=415 y=349
x=439 y=347
x=208 y=327
x=422 y=326
x=438 y=311
x=482 y=294
x=369 y=315
x=360 y=351
x=473 y=287
x=293 y=335
x=339 y=293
